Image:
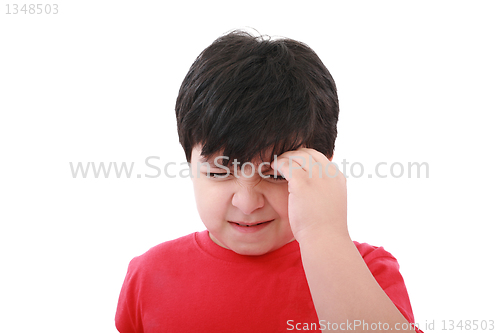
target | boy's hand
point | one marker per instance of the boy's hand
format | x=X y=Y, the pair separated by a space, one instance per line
x=342 y=287
x=317 y=201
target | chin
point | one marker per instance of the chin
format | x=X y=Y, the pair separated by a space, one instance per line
x=250 y=251
x=253 y=249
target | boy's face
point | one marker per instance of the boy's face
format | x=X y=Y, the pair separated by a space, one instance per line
x=227 y=205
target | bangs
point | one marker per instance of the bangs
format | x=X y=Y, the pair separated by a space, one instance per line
x=244 y=151
x=249 y=99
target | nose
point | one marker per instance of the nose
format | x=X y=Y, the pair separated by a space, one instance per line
x=248 y=199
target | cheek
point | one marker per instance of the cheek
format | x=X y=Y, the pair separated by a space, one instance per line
x=202 y=195
x=210 y=199
x=278 y=199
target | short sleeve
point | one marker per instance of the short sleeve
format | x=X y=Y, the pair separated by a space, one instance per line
x=385 y=269
x=128 y=318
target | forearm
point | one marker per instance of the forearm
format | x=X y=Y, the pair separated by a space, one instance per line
x=342 y=287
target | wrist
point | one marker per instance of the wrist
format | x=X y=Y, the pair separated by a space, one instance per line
x=316 y=233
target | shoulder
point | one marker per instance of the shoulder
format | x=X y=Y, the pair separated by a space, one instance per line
x=381 y=263
x=370 y=252
x=149 y=275
x=163 y=255
x=385 y=269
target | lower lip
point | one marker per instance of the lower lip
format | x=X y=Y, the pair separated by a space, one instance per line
x=252 y=229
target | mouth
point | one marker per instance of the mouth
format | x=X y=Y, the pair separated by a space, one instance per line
x=250 y=224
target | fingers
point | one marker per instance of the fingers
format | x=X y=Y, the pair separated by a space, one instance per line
x=305 y=163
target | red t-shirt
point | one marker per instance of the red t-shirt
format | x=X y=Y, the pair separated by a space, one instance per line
x=192 y=284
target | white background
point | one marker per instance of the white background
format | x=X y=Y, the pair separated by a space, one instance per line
x=417 y=82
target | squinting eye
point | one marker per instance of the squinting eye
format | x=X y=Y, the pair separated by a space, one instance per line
x=217 y=175
x=276 y=178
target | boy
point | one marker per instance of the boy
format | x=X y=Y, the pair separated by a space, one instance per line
x=257 y=121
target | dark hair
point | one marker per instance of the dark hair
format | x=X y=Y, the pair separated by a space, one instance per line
x=244 y=95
